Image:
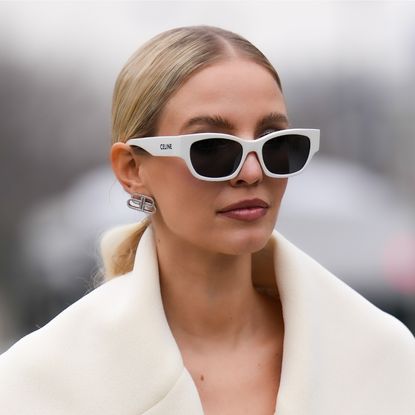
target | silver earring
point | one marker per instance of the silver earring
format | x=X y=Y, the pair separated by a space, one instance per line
x=142 y=203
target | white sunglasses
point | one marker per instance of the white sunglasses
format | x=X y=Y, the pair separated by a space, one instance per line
x=218 y=157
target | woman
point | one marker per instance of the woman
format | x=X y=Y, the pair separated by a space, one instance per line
x=207 y=310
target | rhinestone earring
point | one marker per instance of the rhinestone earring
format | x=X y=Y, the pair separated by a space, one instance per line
x=142 y=203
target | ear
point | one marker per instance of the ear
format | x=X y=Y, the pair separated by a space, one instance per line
x=127 y=167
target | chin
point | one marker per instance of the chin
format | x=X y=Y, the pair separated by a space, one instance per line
x=245 y=241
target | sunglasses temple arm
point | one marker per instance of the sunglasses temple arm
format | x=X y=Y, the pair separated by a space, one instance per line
x=159 y=146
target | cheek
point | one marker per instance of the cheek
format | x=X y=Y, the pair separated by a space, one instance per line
x=179 y=196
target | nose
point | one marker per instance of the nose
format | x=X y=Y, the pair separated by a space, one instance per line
x=250 y=173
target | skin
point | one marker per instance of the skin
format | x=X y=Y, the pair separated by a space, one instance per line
x=230 y=336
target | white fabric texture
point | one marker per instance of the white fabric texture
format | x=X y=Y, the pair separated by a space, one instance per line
x=112 y=352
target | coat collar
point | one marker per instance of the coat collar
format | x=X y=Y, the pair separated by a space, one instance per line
x=280 y=265
x=113 y=351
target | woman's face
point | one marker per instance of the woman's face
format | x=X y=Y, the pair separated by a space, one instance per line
x=237 y=97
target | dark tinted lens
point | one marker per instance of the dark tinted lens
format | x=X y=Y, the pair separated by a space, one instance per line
x=286 y=154
x=215 y=157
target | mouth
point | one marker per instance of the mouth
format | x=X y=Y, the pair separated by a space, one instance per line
x=245 y=210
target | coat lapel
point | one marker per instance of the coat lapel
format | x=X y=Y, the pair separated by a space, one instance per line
x=342 y=355
x=179 y=395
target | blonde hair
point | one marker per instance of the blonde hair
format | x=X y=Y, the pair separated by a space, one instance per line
x=145 y=84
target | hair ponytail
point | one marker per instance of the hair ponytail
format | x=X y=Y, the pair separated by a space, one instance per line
x=118 y=248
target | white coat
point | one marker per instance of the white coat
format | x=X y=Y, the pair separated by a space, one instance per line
x=112 y=352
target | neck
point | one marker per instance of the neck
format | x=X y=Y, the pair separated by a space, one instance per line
x=208 y=297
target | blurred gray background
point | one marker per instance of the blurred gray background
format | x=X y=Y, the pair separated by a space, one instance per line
x=347 y=68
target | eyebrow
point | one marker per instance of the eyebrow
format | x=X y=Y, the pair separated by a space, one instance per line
x=218 y=122
x=215 y=121
x=274 y=119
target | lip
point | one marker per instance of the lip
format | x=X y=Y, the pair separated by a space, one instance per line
x=245 y=210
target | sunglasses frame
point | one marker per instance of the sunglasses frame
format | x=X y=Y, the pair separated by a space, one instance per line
x=179 y=146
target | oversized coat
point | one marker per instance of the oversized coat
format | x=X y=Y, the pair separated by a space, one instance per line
x=112 y=352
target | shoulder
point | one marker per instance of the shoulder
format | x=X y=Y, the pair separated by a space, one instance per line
x=110 y=340
x=40 y=364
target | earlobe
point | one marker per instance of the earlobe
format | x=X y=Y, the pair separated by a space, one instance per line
x=127 y=167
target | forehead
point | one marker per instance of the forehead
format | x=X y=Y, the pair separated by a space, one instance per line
x=238 y=90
